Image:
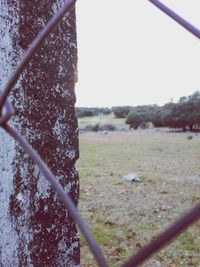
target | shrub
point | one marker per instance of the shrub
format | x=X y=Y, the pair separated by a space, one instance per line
x=108 y=127
x=92 y=127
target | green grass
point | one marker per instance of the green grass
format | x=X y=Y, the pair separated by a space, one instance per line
x=124 y=216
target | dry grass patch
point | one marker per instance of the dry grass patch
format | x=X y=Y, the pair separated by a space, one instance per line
x=124 y=216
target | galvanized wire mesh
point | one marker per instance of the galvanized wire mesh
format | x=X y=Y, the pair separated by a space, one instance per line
x=161 y=240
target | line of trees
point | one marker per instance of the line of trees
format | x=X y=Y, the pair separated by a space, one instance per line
x=93 y=111
x=184 y=115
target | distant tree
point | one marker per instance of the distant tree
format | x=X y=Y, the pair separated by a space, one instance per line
x=141 y=116
x=121 y=111
x=134 y=119
x=90 y=112
x=168 y=115
x=185 y=114
x=157 y=118
x=192 y=111
x=147 y=111
x=85 y=112
x=106 y=111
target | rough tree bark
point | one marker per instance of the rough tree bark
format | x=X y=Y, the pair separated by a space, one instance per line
x=35 y=228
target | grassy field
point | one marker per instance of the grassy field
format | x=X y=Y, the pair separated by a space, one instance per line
x=124 y=216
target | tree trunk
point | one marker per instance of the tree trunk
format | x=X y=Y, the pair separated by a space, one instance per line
x=35 y=227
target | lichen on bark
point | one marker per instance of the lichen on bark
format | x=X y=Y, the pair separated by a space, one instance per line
x=43 y=231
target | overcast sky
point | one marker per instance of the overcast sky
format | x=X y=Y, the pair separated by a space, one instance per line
x=133 y=54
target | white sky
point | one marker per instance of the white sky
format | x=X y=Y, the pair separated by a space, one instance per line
x=131 y=53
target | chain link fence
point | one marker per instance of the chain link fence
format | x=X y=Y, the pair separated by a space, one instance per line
x=6 y=112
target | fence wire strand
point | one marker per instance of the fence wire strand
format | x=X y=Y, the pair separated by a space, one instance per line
x=6 y=111
x=164 y=238
x=184 y=23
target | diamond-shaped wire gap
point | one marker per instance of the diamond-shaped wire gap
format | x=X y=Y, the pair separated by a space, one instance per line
x=184 y=23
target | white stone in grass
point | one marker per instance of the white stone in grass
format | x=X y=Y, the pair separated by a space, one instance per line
x=132 y=177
